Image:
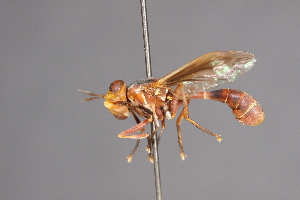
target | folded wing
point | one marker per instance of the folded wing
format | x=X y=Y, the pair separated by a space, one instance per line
x=209 y=71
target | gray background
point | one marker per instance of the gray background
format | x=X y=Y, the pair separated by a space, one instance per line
x=54 y=147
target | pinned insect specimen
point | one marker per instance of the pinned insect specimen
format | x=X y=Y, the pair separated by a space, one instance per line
x=155 y=100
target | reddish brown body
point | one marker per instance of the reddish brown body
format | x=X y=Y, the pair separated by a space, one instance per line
x=158 y=99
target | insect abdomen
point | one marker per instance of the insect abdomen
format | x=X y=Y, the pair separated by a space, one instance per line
x=245 y=108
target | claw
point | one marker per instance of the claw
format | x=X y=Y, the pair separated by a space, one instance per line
x=129 y=158
x=151 y=159
x=219 y=138
x=182 y=156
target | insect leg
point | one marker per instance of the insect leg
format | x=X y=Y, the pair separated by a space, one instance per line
x=178 y=121
x=203 y=129
x=175 y=104
x=129 y=158
x=186 y=116
x=150 y=138
x=163 y=126
x=136 y=128
x=148 y=148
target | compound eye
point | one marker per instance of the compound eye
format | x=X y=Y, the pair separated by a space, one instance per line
x=116 y=85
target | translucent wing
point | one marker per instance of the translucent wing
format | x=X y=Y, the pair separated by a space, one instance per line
x=209 y=71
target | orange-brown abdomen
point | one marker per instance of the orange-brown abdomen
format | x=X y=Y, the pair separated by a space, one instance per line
x=245 y=108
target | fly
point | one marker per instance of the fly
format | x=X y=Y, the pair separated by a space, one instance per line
x=155 y=100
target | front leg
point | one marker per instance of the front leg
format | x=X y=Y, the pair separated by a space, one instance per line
x=136 y=128
x=129 y=158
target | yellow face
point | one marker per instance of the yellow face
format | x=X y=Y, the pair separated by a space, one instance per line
x=116 y=100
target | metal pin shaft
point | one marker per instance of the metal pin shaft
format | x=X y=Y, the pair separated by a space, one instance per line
x=149 y=75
